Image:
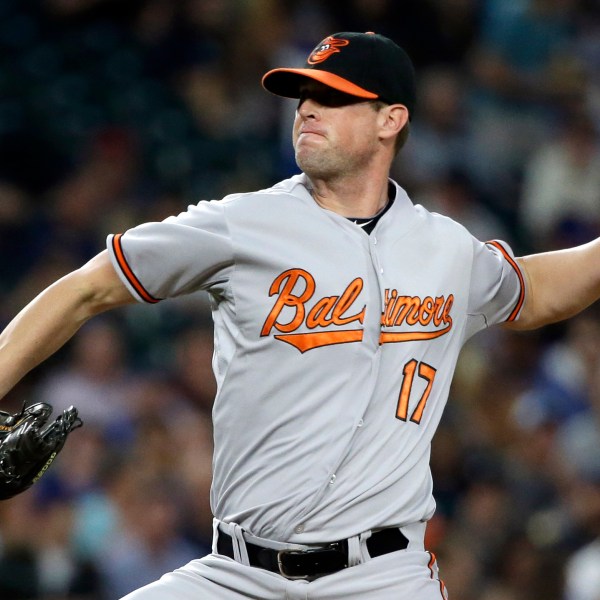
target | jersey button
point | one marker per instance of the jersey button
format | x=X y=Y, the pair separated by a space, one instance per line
x=360 y=423
x=299 y=528
x=332 y=480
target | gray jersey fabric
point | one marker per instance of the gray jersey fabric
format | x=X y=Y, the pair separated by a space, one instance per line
x=334 y=349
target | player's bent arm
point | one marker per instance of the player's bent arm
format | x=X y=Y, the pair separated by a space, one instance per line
x=56 y=314
x=560 y=284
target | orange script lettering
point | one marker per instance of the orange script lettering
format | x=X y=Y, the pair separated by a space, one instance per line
x=294 y=289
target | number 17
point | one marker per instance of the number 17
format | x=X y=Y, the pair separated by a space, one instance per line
x=427 y=373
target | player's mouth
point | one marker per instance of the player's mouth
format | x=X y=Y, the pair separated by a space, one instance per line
x=310 y=131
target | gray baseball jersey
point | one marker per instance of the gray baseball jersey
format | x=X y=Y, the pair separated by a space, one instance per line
x=334 y=349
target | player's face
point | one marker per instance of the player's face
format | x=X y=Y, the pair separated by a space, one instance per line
x=334 y=133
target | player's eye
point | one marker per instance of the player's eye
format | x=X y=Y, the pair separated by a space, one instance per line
x=328 y=97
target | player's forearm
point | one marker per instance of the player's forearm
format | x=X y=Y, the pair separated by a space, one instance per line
x=560 y=284
x=54 y=316
x=40 y=329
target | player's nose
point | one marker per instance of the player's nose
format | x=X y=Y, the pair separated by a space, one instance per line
x=307 y=108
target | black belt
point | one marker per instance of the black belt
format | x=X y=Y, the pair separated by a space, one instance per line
x=310 y=564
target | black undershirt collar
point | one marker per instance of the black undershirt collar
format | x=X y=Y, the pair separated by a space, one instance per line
x=367 y=224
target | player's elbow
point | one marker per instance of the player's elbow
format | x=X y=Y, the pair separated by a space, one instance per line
x=537 y=313
x=96 y=288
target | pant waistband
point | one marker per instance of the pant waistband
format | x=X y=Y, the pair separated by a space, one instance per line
x=308 y=562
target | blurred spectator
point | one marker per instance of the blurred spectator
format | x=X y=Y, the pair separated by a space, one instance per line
x=562 y=185
x=407 y=22
x=454 y=196
x=524 y=74
x=461 y=573
x=192 y=373
x=587 y=51
x=60 y=571
x=582 y=576
x=95 y=379
x=458 y=22
x=19 y=579
x=36 y=560
x=17 y=229
x=97 y=196
x=148 y=541
x=485 y=519
x=523 y=571
x=578 y=444
x=533 y=479
x=577 y=449
x=439 y=141
x=561 y=387
x=192 y=436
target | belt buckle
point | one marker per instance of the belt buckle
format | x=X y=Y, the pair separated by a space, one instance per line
x=330 y=549
x=281 y=566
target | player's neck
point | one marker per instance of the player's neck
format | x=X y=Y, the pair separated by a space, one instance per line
x=351 y=198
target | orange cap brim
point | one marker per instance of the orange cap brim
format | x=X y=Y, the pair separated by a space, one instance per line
x=286 y=82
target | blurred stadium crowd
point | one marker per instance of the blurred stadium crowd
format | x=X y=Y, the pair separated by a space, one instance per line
x=115 y=112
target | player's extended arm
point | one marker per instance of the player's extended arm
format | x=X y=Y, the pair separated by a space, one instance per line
x=560 y=284
x=54 y=316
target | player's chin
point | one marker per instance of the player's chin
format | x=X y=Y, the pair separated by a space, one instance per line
x=311 y=143
x=308 y=144
x=308 y=161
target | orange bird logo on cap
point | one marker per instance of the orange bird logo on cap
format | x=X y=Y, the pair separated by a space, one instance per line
x=325 y=49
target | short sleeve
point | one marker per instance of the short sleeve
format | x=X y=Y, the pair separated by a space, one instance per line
x=497 y=290
x=179 y=255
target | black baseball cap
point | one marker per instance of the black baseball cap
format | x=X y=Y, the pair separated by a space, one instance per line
x=366 y=65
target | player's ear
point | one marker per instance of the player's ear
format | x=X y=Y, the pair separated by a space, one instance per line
x=392 y=119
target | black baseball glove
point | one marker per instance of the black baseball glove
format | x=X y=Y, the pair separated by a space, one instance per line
x=29 y=444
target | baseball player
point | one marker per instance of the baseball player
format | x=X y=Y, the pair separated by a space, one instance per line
x=340 y=309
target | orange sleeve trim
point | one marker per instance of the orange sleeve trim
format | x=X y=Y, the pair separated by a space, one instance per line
x=131 y=278
x=513 y=263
